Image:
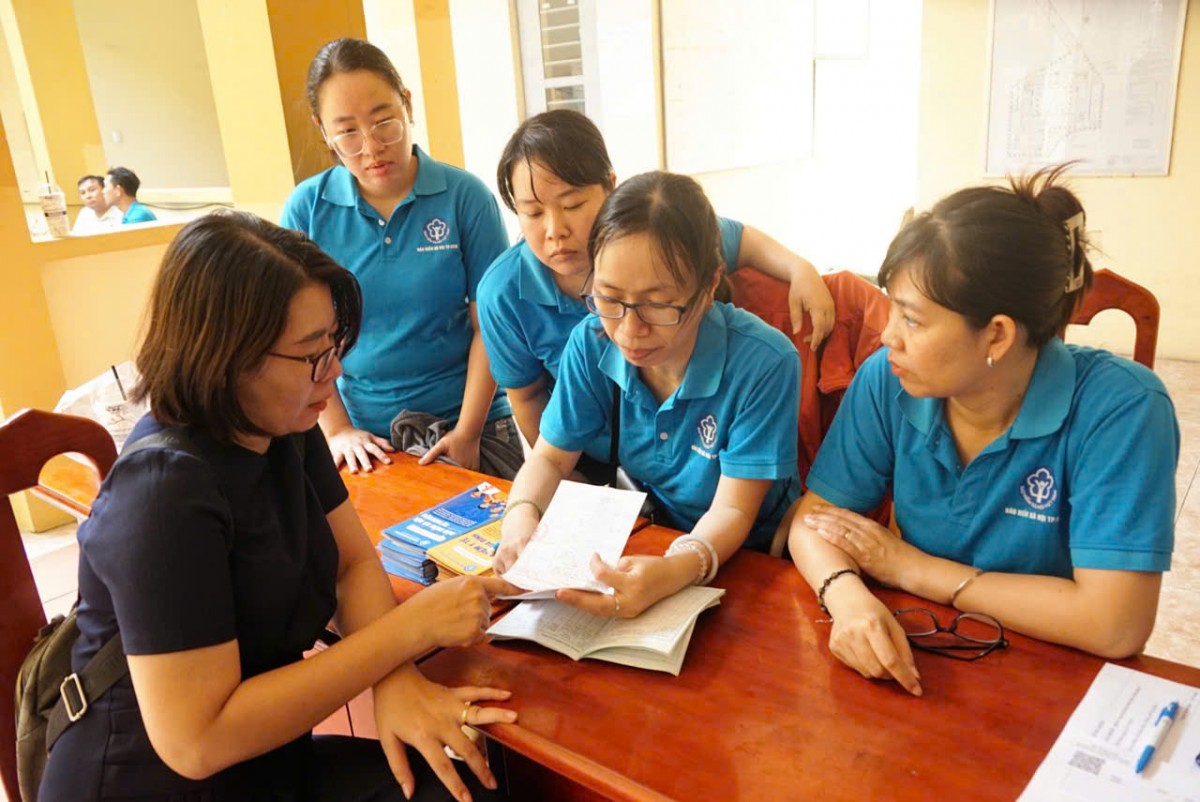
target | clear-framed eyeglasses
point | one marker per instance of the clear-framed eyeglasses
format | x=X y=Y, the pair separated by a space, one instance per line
x=653 y=314
x=321 y=363
x=349 y=144
x=970 y=636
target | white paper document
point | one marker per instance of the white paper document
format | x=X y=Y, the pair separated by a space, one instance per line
x=1095 y=756
x=581 y=519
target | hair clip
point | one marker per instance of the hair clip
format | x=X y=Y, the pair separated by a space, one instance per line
x=1072 y=226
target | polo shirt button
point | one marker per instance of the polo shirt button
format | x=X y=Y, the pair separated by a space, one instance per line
x=381 y=223
x=387 y=240
x=663 y=435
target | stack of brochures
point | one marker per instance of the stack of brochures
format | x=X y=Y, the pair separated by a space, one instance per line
x=468 y=554
x=406 y=546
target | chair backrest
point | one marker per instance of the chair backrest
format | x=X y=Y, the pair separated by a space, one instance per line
x=861 y=314
x=27 y=441
x=1111 y=291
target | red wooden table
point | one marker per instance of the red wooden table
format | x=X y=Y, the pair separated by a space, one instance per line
x=762 y=710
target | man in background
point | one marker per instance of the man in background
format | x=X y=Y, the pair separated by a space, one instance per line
x=120 y=190
x=96 y=216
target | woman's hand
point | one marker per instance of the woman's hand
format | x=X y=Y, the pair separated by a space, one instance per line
x=458 y=446
x=456 y=612
x=875 y=548
x=867 y=637
x=355 y=448
x=807 y=293
x=516 y=530
x=410 y=709
x=638 y=581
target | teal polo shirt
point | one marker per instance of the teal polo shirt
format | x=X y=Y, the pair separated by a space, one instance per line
x=526 y=319
x=735 y=414
x=138 y=213
x=418 y=270
x=1083 y=478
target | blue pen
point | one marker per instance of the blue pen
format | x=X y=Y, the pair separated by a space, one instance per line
x=1162 y=725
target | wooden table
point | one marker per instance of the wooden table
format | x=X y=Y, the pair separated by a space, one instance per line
x=763 y=711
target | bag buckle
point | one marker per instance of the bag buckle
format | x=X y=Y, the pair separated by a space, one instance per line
x=72 y=680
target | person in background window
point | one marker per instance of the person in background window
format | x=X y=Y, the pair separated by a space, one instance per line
x=708 y=397
x=219 y=565
x=120 y=190
x=96 y=216
x=418 y=235
x=1033 y=481
x=554 y=174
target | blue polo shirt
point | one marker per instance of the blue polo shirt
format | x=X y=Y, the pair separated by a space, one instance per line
x=1084 y=477
x=418 y=270
x=734 y=415
x=137 y=213
x=526 y=319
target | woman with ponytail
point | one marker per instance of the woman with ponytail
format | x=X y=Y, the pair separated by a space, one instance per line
x=1033 y=481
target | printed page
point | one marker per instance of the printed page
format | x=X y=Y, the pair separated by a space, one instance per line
x=553 y=624
x=1095 y=756
x=672 y=662
x=582 y=519
x=660 y=628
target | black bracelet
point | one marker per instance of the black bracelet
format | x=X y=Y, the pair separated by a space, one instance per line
x=825 y=586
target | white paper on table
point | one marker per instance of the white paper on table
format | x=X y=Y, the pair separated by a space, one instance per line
x=581 y=520
x=1094 y=758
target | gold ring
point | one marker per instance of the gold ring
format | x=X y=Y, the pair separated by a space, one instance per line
x=466 y=709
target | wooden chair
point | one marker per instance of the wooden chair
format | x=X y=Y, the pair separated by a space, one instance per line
x=1111 y=291
x=27 y=440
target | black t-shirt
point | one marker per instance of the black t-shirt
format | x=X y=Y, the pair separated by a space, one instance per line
x=182 y=553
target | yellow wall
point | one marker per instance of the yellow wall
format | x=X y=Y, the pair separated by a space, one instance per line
x=1147 y=224
x=439 y=80
x=297 y=33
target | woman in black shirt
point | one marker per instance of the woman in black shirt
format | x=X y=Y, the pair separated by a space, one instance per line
x=220 y=564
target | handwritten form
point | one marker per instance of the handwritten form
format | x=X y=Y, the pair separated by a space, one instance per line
x=582 y=519
x=1094 y=758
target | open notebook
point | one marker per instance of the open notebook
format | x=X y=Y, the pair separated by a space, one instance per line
x=657 y=639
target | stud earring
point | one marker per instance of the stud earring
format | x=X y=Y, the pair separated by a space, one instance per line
x=990 y=361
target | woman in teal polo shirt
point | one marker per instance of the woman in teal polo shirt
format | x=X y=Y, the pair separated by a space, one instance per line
x=554 y=174
x=1033 y=481
x=418 y=235
x=708 y=397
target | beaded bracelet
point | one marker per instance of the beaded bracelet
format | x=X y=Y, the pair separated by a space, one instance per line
x=678 y=547
x=517 y=502
x=713 y=560
x=963 y=585
x=825 y=586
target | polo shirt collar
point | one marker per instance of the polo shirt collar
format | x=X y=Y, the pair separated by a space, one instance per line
x=1045 y=406
x=705 y=368
x=535 y=283
x=342 y=190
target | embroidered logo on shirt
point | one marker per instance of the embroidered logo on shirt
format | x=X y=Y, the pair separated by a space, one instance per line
x=1039 y=489
x=708 y=431
x=436 y=231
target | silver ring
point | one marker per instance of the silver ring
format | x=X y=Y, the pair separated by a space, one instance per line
x=617 y=604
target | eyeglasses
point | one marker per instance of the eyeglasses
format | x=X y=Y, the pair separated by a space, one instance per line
x=970 y=636
x=653 y=314
x=352 y=143
x=321 y=363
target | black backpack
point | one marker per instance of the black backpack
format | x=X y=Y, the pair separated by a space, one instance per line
x=50 y=697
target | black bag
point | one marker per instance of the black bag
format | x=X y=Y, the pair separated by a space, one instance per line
x=49 y=696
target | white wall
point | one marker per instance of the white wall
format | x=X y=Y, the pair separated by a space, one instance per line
x=625 y=52
x=152 y=92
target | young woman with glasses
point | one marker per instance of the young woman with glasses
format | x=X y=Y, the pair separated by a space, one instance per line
x=554 y=174
x=418 y=235
x=221 y=559
x=707 y=397
x=1032 y=481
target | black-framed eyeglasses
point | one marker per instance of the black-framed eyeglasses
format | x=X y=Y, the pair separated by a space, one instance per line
x=653 y=314
x=970 y=636
x=349 y=144
x=320 y=363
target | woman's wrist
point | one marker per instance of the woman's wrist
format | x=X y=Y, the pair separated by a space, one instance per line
x=843 y=593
